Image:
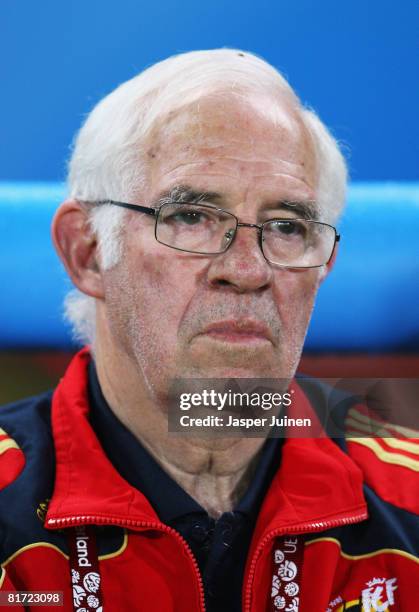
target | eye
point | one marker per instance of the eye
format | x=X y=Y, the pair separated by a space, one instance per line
x=287 y=227
x=187 y=217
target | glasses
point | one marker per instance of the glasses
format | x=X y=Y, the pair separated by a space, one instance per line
x=207 y=230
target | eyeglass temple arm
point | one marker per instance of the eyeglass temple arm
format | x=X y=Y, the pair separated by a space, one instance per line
x=136 y=207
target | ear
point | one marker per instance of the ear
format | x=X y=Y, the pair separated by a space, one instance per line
x=77 y=247
x=330 y=263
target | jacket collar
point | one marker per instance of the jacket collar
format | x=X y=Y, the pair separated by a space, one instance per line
x=317 y=487
x=316 y=480
x=86 y=483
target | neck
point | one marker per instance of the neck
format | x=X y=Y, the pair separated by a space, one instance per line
x=215 y=472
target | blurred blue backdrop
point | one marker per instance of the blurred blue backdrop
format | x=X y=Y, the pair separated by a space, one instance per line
x=368 y=303
x=354 y=62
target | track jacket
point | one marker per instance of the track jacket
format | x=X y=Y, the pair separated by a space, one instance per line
x=338 y=529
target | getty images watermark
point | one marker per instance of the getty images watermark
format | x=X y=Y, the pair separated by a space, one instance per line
x=303 y=408
x=233 y=407
x=232 y=399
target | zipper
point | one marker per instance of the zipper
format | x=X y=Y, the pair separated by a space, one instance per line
x=73 y=521
x=294 y=530
x=280 y=531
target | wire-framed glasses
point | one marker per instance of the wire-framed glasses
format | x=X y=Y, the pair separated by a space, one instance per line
x=208 y=230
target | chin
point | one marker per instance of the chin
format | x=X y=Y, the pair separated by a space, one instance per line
x=206 y=360
x=221 y=370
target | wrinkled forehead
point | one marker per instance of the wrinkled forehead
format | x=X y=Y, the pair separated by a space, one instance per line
x=227 y=121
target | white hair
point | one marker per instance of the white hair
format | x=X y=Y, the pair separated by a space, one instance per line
x=109 y=159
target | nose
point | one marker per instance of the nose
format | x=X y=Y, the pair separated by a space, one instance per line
x=242 y=266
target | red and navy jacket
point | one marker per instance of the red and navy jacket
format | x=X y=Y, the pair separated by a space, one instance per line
x=338 y=528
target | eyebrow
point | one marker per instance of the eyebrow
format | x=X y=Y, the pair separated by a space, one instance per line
x=305 y=209
x=185 y=193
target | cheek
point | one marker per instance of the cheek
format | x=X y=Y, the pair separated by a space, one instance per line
x=162 y=283
x=295 y=293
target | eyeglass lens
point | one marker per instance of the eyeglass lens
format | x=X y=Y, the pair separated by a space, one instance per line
x=199 y=229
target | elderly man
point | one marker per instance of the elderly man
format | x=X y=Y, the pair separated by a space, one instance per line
x=199 y=225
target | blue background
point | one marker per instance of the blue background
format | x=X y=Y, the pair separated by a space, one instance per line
x=354 y=61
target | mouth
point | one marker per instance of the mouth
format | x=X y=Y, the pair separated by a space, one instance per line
x=241 y=331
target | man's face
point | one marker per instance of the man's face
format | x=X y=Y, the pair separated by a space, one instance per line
x=231 y=314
